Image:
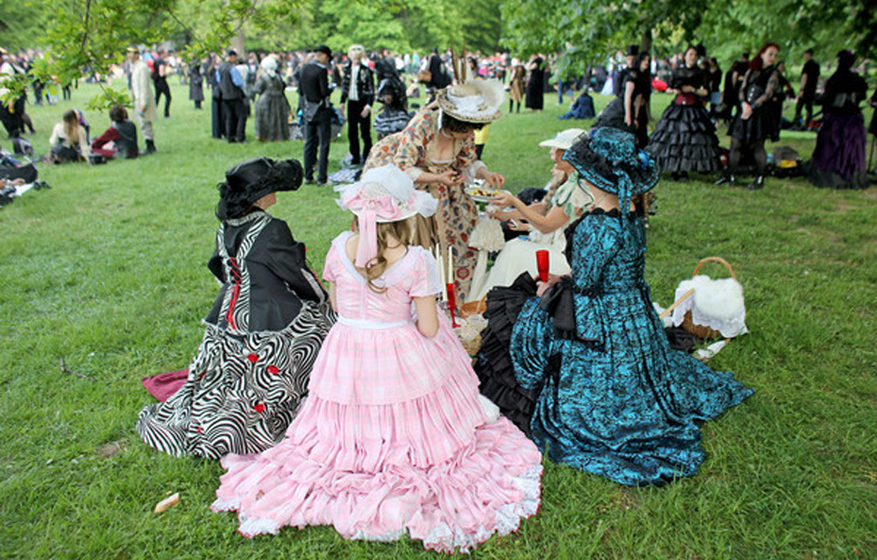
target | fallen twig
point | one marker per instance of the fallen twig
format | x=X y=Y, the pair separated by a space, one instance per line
x=65 y=369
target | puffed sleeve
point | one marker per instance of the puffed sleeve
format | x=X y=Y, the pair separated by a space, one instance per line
x=285 y=257
x=595 y=243
x=424 y=275
x=330 y=270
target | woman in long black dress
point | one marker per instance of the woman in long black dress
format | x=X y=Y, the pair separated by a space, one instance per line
x=262 y=335
x=630 y=110
x=685 y=138
x=536 y=84
x=196 y=82
x=755 y=119
x=839 y=156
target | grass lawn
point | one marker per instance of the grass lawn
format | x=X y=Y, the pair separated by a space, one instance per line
x=107 y=271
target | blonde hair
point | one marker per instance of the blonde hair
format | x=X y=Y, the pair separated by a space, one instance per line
x=353 y=49
x=71 y=127
x=373 y=270
x=556 y=181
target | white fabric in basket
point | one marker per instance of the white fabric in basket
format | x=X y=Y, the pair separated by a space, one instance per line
x=717 y=304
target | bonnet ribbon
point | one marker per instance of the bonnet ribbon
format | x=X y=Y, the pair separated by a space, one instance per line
x=368 y=237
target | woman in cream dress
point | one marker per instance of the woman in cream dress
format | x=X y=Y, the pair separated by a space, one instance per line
x=567 y=199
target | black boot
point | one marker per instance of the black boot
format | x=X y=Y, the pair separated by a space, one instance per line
x=726 y=179
x=758 y=183
x=150 y=148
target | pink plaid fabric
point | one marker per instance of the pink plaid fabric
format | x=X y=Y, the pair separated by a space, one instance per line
x=381 y=364
x=392 y=437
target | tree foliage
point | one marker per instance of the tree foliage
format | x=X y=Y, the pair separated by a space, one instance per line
x=589 y=30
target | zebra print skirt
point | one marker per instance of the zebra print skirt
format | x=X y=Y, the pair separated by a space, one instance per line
x=242 y=392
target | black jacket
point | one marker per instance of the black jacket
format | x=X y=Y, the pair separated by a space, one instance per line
x=365 y=84
x=314 y=83
x=229 y=90
x=279 y=277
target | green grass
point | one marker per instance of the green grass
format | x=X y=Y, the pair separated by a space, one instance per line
x=107 y=271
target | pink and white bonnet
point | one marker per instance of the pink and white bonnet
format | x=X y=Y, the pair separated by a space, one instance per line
x=382 y=194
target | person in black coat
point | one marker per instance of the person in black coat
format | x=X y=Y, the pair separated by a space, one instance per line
x=196 y=82
x=216 y=112
x=358 y=91
x=234 y=105
x=317 y=113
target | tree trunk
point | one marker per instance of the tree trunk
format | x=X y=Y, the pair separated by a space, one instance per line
x=237 y=43
x=646 y=42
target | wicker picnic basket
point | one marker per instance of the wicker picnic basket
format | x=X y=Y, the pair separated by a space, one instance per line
x=701 y=331
x=688 y=324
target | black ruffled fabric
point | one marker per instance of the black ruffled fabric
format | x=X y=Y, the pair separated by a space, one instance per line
x=493 y=363
x=685 y=140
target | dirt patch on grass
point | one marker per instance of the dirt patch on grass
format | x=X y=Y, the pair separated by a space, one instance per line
x=111 y=449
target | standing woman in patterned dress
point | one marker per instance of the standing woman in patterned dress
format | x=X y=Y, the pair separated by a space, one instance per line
x=437 y=150
x=262 y=335
x=516 y=85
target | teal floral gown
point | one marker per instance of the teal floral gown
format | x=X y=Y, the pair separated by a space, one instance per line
x=613 y=398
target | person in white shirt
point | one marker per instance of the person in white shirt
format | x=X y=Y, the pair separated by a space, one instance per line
x=358 y=91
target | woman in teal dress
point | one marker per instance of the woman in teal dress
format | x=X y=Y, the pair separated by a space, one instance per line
x=613 y=398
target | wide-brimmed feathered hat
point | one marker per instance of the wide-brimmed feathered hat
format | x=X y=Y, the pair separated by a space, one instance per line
x=471 y=99
x=476 y=101
x=609 y=159
x=247 y=182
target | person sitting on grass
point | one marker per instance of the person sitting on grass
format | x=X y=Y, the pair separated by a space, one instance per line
x=68 y=140
x=120 y=139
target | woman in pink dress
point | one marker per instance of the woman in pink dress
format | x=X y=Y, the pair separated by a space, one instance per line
x=393 y=437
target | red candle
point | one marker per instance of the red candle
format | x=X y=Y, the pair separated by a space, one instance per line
x=542 y=264
x=452 y=303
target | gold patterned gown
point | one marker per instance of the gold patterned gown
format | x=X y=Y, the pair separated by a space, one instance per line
x=412 y=151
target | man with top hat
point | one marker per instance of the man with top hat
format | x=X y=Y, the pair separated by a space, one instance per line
x=144 y=101
x=234 y=107
x=629 y=57
x=317 y=113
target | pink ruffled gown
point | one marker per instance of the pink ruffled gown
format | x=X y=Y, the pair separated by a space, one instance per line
x=393 y=436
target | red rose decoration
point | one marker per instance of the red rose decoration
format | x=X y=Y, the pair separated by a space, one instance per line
x=272 y=370
x=260 y=408
x=253 y=358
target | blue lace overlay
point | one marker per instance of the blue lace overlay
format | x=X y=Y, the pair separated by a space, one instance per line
x=624 y=407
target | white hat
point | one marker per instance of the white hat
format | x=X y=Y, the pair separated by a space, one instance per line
x=383 y=194
x=564 y=139
x=476 y=101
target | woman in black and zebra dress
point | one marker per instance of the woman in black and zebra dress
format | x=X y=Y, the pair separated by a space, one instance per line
x=262 y=335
